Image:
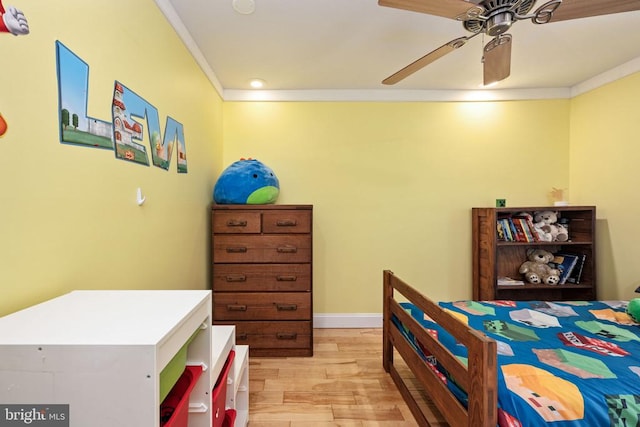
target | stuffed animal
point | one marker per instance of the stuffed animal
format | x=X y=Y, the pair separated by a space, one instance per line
x=247 y=181
x=536 y=270
x=547 y=221
x=633 y=309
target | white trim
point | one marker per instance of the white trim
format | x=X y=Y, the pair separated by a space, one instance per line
x=399 y=95
x=347 y=320
x=388 y=95
x=609 y=76
x=177 y=24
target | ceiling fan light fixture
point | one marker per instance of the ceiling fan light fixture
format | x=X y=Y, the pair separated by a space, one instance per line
x=499 y=24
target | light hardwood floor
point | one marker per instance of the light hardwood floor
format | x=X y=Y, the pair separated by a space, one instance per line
x=343 y=384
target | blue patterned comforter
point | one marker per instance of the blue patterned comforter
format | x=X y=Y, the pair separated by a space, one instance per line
x=563 y=363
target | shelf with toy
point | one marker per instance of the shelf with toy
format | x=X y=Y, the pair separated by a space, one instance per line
x=494 y=257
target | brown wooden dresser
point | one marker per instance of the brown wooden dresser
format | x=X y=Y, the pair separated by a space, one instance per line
x=262 y=276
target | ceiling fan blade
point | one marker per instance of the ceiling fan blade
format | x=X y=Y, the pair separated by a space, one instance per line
x=574 y=9
x=425 y=60
x=497 y=59
x=446 y=8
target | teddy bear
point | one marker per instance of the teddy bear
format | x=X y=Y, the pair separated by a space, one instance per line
x=547 y=222
x=536 y=270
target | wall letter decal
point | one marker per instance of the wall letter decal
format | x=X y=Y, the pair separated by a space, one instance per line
x=174 y=137
x=77 y=127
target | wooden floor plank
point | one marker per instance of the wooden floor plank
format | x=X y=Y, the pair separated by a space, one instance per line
x=342 y=385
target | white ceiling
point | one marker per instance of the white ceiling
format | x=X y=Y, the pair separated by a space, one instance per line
x=297 y=45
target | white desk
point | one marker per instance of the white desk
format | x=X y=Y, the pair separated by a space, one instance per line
x=102 y=352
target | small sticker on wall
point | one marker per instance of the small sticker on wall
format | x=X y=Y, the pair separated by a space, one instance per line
x=3 y=126
x=13 y=21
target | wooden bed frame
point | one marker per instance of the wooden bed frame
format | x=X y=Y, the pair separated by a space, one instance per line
x=478 y=378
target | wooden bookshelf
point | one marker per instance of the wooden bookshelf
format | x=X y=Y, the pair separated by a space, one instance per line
x=494 y=258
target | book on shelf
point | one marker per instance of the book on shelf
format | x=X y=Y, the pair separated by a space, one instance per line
x=514 y=231
x=532 y=228
x=522 y=237
x=565 y=263
x=503 y=225
x=516 y=228
x=508 y=281
x=500 y=231
x=576 y=274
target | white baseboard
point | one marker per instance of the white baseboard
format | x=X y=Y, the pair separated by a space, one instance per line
x=348 y=320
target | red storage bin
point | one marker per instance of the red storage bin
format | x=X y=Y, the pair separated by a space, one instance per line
x=220 y=392
x=174 y=409
x=229 y=418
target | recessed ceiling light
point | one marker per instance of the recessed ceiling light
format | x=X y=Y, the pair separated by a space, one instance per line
x=245 y=7
x=257 y=83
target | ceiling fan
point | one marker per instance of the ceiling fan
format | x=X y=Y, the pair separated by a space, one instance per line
x=494 y=18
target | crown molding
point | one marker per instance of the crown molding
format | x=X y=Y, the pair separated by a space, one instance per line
x=383 y=95
x=388 y=95
x=172 y=16
x=609 y=76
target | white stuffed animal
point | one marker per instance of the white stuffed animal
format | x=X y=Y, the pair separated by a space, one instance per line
x=547 y=221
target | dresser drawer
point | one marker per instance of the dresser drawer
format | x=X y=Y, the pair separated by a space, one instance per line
x=260 y=335
x=262 y=306
x=236 y=222
x=286 y=221
x=261 y=248
x=262 y=277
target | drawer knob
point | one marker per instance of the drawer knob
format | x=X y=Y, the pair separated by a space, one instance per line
x=286 y=278
x=236 y=307
x=236 y=223
x=236 y=278
x=286 y=336
x=287 y=307
x=286 y=223
x=236 y=250
x=287 y=249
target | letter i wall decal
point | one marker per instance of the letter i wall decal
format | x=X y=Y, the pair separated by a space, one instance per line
x=130 y=114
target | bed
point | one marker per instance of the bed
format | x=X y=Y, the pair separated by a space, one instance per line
x=513 y=363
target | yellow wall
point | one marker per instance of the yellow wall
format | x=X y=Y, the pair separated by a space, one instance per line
x=605 y=154
x=393 y=184
x=68 y=216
